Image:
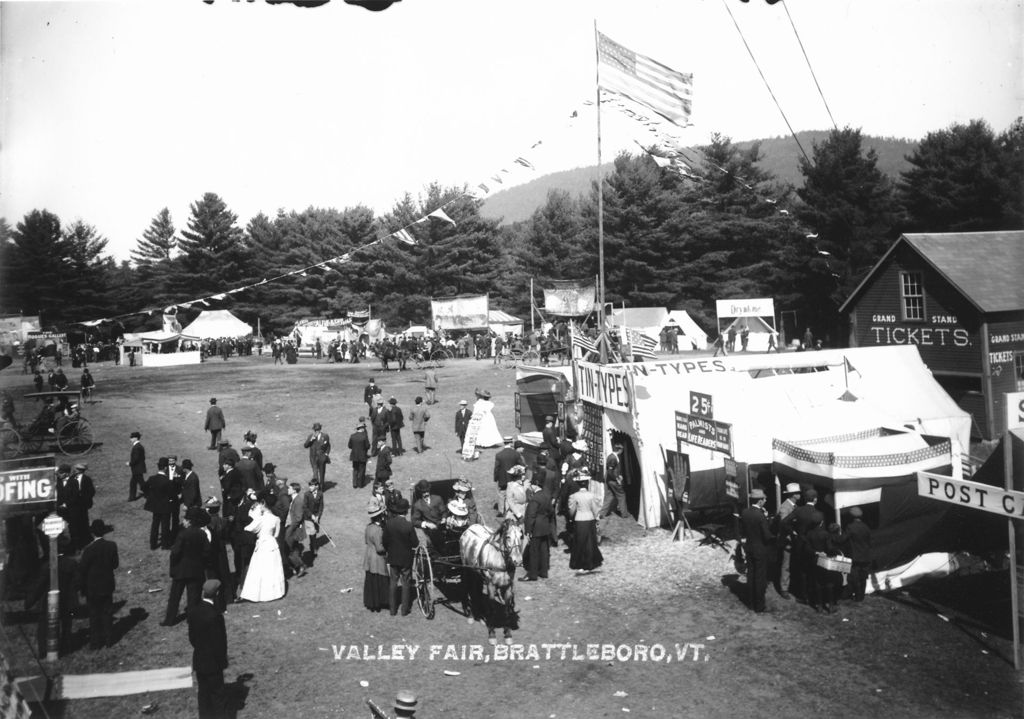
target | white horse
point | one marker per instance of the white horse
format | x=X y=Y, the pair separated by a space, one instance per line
x=492 y=556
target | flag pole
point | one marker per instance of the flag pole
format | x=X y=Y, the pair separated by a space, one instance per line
x=600 y=183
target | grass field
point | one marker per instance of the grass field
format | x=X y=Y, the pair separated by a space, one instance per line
x=660 y=631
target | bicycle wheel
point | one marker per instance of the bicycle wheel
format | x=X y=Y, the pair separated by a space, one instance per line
x=531 y=357
x=438 y=357
x=75 y=437
x=10 y=443
x=423 y=576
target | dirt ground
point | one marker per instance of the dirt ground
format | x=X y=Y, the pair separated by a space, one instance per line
x=660 y=631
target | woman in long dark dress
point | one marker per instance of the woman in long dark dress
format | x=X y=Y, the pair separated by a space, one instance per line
x=376 y=584
x=584 y=509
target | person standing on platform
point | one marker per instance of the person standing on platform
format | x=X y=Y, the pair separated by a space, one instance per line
x=208 y=636
x=757 y=545
x=137 y=466
x=96 y=583
x=215 y=423
x=319 y=446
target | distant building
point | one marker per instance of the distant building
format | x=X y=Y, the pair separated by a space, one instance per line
x=959 y=297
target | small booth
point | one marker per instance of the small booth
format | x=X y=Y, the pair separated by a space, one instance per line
x=160 y=348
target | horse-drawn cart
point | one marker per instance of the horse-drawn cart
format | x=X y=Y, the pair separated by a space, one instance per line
x=59 y=425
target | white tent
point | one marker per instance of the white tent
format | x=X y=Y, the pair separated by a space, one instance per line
x=691 y=335
x=214 y=324
x=502 y=323
x=707 y=409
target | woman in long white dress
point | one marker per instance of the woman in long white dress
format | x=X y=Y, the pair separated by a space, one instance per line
x=264 y=582
x=487 y=434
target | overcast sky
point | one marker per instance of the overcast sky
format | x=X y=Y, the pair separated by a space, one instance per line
x=112 y=111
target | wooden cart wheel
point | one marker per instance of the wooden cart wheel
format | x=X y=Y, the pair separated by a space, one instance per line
x=423 y=576
x=75 y=437
x=10 y=443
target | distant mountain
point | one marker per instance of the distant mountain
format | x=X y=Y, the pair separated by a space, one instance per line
x=779 y=156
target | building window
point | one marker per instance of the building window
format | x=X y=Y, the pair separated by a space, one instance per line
x=912 y=294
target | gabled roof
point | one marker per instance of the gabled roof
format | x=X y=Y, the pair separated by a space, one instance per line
x=985 y=267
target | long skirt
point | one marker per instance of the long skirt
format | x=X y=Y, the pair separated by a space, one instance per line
x=585 y=552
x=376 y=591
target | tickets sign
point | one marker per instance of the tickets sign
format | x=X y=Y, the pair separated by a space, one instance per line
x=25 y=486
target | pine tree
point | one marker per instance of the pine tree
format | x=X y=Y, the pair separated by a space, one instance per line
x=213 y=250
x=158 y=241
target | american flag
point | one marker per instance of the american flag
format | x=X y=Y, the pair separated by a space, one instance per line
x=646 y=81
x=404 y=236
x=641 y=345
x=584 y=343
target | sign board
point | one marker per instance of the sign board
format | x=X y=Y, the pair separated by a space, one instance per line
x=1004 y=502
x=1014 y=409
x=570 y=299
x=701 y=405
x=745 y=308
x=704 y=432
x=53 y=525
x=461 y=313
x=602 y=385
x=26 y=486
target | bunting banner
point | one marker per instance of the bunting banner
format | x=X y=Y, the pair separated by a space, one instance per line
x=439 y=214
x=404 y=236
x=461 y=313
x=570 y=299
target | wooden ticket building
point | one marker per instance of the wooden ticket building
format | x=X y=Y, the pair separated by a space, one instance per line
x=959 y=298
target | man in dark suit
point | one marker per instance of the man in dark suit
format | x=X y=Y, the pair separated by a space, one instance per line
x=177 y=477
x=137 y=466
x=294 y=529
x=209 y=639
x=369 y=393
x=856 y=542
x=96 y=583
x=191 y=495
x=215 y=423
x=74 y=500
x=801 y=561
x=158 y=491
x=319 y=446
x=226 y=452
x=550 y=434
x=396 y=420
x=400 y=542
x=359 y=452
x=189 y=558
x=243 y=542
x=539 y=526
x=754 y=526
x=504 y=460
x=379 y=422
x=462 y=422
x=249 y=471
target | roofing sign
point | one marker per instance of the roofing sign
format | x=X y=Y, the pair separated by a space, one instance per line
x=24 y=486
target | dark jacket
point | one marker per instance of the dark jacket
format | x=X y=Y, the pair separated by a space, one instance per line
x=368 y=392
x=190 y=494
x=754 y=525
x=137 y=459
x=400 y=541
x=383 y=469
x=159 y=494
x=462 y=421
x=76 y=492
x=250 y=473
x=505 y=460
x=96 y=568
x=537 y=521
x=856 y=541
x=190 y=554
x=359 y=446
x=209 y=638
x=396 y=418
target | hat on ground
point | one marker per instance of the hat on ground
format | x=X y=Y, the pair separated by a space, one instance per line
x=463 y=402
x=463 y=485
x=810 y=495
x=792 y=488
x=136 y=435
x=392 y=401
x=374 y=508
x=458 y=508
x=317 y=426
x=422 y=485
x=756 y=494
x=81 y=465
x=580 y=445
x=856 y=512
x=210 y=588
x=99 y=528
x=186 y=464
x=406 y=700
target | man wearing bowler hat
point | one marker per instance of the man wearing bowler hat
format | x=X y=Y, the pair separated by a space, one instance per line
x=856 y=543
x=319 y=445
x=96 y=582
x=462 y=418
x=783 y=546
x=74 y=500
x=190 y=556
x=137 y=466
x=359 y=452
x=208 y=636
x=758 y=538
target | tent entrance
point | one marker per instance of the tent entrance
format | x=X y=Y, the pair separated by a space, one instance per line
x=631 y=477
